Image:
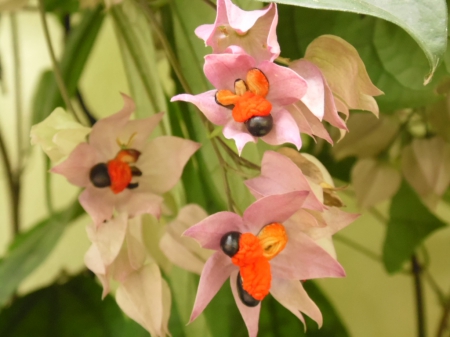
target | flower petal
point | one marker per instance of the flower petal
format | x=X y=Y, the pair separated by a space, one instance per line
x=217 y=269
x=238 y=132
x=98 y=203
x=204 y=31
x=307 y=122
x=162 y=162
x=77 y=166
x=274 y=208
x=209 y=231
x=139 y=130
x=292 y=295
x=303 y=259
x=137 y=203
x=249 y=314
x=105 y=131
x=206 y=103
x=285 y=130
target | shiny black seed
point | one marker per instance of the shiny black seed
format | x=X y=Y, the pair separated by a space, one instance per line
x=132 y=185
x=230 y=243
x=135 y=172
x=99 y=175
x=259 y=126
x=245 y=297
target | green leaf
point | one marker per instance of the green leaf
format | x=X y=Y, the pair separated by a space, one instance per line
x=71 y=309
x=410 y=222
x=31 y=248
x=425 y=21
x=78 y=47
x=61 y=6
x=371 y=37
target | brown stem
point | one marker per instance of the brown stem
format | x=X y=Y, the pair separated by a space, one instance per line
x=444 y=321
x=420 y=304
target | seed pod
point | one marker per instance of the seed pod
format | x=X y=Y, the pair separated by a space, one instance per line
x=99 y=175
x=245 y=297
x=230 y=243
x=259 y=126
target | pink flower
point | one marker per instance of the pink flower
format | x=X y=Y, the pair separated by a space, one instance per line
x=287 y=257
x=120 y=170
x=253 y=31
x=259 y=93
x=280 y=175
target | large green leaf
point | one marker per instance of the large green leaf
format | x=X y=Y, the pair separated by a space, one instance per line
x=425 y=21
x=31 y=248
x=78 y=47
x=410 y=222
x=384 y=48
x=71 y=309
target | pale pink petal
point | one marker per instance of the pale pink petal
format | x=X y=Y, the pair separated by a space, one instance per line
x=286 y=86
x=280 y=175
x=303 y=220
x=98 y=203
x=303 y=259
x=292 y=295
x=105 y=131
x=285 y=130
x=274 y=208
x=307 y=122
x=137 y=252
x=240 y=134
x=209 y=231
x=137 y=203
x=331 y=113
x=249 y=314
x=204 y=31
x=314 y=98
x=93 y=261
x=162 y=162
x=217 y=269
x=222 y=70
x=140 y=296
x=206 y=103
x=77 y=166
x=139 y=130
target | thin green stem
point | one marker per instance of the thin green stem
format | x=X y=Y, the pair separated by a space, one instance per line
x=356 y=246
x=210 y=4
x=56 y=68
x=224 y=174
x=433 y=284
x=418 y=290
x=444 y=325
x=378 y=215
x=48 y=189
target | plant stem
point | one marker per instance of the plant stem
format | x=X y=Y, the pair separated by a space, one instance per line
x=420 y=305
x=56 y=69
x=210 y=3
x=444 y=323
x=356 y=246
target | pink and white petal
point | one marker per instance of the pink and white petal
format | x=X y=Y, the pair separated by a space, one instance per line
x=162 y=162
x=222 y=70
x=331 y=113
x=139 y=130
x=206 y=103
x=105 y=131
x=335 y=220
x=136 y=203
x=167 y=301
x=204 y=31
x=285 y=130
x=318 y=129
x=303 y=221
x=109 y=237
x=209 y=231
x=238 y=132
x=243 y=20
x=98 y=203
x=286 y=86
x=77 y=166
x=137 y=252
x=249 y=314
x=314 y=98
x=292 y=295
x=140 y=297
x=303 y=259
x=93 y=261
x=274 y=208
x=217 y=269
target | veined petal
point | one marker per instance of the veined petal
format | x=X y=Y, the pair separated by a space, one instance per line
x=98 y=203
x=209 y=231
x=285 y=130
x=249 y=314
x=162 y=162
x=139 y=130
x=206 y=103
x=217 y=269
x=105 y=132
x=274 y=208
x=303 y=259
x=77 y=166
x=292 y=295
x=238 y=132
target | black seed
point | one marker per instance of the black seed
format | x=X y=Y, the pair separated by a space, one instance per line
x=135 y=172
x=259 y=126
x=99 y=175
x=132 y=185
x=230 y=243
x=245 y=297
